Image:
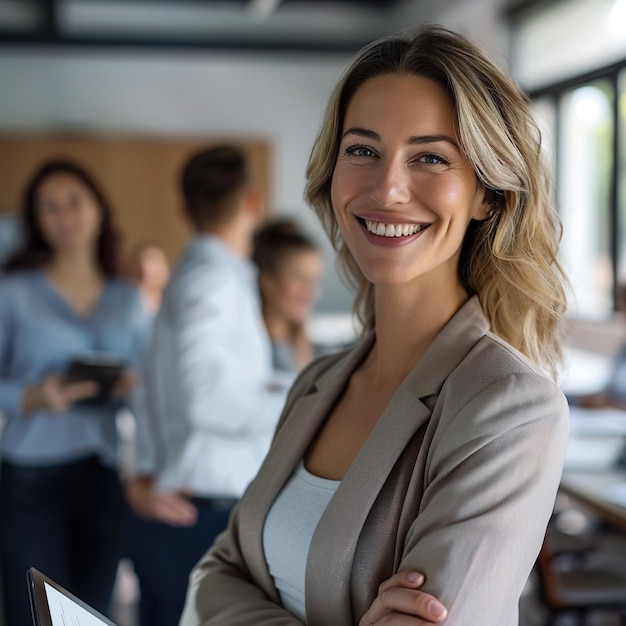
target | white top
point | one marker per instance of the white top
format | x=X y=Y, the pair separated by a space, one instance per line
x=208 y=406
x=288 y=531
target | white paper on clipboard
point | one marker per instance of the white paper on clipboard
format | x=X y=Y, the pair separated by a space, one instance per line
x=65 y=612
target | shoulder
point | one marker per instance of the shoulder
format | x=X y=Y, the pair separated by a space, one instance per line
x=492 y=359
x=498 y=389
x=123 y=290
x=306 y=381
x=17 y=280
x=203 y=272
x=122 y=286
x=18 y=285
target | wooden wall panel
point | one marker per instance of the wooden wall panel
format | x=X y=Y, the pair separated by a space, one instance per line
x=138 y=174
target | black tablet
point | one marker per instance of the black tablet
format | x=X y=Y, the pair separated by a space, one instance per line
x=52 y=605
x=101 y=369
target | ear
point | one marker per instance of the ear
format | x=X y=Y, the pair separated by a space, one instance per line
x=252 y=203
x=484 y=207
x=182 y=211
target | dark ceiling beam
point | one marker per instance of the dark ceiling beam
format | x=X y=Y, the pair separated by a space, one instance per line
x=230 y=44
x=49 y=19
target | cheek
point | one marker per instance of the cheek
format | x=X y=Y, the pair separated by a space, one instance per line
x=452 y=200
x=348 y=184
x=94 y=218
x=47 y=225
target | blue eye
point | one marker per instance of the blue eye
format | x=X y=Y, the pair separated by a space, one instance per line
x=433 y=159
x=359 y=151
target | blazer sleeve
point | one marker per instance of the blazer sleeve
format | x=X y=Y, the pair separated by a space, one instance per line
x=489 y=492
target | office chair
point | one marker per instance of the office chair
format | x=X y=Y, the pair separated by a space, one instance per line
x=578 y=590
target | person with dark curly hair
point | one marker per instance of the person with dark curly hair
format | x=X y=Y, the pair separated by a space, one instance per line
x=61 y=299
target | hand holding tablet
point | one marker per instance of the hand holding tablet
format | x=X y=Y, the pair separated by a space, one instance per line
x=103 y=370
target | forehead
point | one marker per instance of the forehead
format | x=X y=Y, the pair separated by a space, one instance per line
x=401 y=99
x=61 y=182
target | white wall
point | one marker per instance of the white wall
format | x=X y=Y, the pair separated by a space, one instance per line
x=481 y=20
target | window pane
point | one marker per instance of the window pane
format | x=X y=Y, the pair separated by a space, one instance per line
x=556 y=40
x=621 y=180
x=544 y=114
x=585 y=148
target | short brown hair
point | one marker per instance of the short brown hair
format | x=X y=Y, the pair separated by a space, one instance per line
x=210 y=181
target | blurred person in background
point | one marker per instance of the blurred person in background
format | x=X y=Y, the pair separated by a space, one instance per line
x=60 y=497
x=290 y=267
x=150 y=269
x=208 y=404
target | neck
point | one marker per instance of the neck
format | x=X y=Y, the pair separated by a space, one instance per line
x=74 y=265
x=407 y=322
x=278 y=328
x=238 y=239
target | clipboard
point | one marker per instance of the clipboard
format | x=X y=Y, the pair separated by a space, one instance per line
x=52 y=605
x=101 y=369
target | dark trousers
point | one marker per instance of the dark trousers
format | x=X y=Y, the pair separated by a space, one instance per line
x=66 y=522
x=163 y=557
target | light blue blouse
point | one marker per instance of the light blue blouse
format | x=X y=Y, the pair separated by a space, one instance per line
x=40 y=333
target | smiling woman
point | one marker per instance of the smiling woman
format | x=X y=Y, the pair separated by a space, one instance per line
x=400 y=168
x=412 y=477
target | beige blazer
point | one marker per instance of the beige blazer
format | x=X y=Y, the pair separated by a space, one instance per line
x=457 y=480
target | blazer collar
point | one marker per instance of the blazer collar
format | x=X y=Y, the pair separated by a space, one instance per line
x=466 y=327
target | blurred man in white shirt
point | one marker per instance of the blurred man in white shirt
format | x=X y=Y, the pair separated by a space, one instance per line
x=208 y=406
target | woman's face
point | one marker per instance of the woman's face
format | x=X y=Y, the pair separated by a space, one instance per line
x=68 y=213
x=292 y=291
x=402 y=192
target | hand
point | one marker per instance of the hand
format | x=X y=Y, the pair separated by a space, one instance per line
x=594 y=401
x=127 y=381
x=400 y=603
x=163 y=506
x=55 y=395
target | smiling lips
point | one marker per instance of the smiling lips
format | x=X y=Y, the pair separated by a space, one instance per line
x=393 y=230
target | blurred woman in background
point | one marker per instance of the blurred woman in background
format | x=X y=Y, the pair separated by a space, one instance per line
x=60 y=496
x=290 y=266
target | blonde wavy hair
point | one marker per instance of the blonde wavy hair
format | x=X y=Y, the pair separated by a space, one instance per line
x=509 y=259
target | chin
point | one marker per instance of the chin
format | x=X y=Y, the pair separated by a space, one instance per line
x=390 y=278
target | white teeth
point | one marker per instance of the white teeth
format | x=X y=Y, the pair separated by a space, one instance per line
x=393 y=230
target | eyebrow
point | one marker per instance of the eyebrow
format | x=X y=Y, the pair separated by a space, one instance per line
x=415 y=140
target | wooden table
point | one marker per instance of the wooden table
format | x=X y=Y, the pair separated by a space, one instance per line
x=602 y=492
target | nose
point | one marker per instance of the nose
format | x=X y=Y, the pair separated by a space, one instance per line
x=392 y=185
